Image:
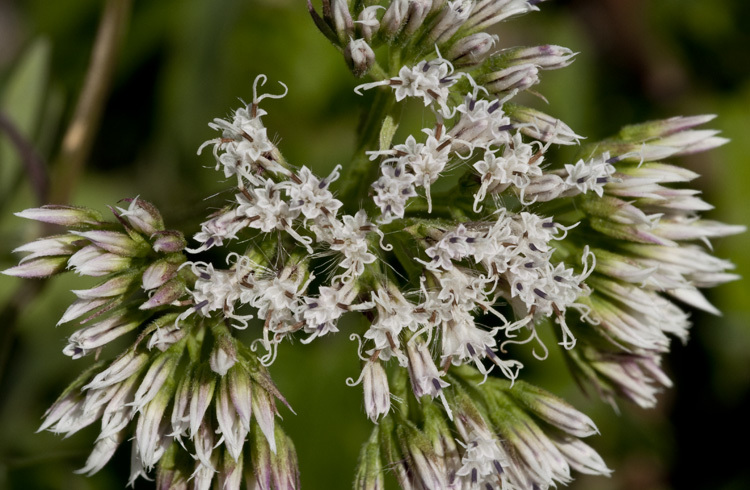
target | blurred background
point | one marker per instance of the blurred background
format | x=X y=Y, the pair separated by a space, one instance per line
x=164 y=69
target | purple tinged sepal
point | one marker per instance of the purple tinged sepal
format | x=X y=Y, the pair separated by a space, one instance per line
x=202 y=389
x=376 y=391
x=553 y=410
x=394 y=18
x=158 y=273
x=168 y=241
x=103 y=451
x=50 y=246
x=541 y=126
x=114 y=286
x=142 y=216
x=359 y=57
x=230 y=475
x=38 y=267
x=166 y=294
x=224 y=353
x=546 y=57
x=661 y=128
x=95 y=262
x=92 y=337
x=471 y=50
x=274 y=470
x=64 y=215
x=231 y=425
x=151 y=432
x=114 y=242
x=264 y=408
x=128 y=364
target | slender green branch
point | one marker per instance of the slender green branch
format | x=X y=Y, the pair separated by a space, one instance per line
x=79 y=136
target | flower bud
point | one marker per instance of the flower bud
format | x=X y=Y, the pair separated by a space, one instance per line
x=38 y=267
x=82 y=341
x=359 y=57
x=553 y=410
x=58 y=214
x=546 y=57
x=168 y=241
x=376 y=391
x=113 y=241
x=368 y=23
x=336 y=13
x=94 y=261
x=142 y=216
x=415 y=16
x=103 y=451
x=115 y=286
x=370 y=468
x=168 y=293
x=544 y=188
x=518 y=77
x=539 y=125
x=158 y=273
x=49 y=246
x=471 y=50
x=394 y=18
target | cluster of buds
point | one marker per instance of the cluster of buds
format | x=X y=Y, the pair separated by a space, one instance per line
x=596 y=249
x=498 y=437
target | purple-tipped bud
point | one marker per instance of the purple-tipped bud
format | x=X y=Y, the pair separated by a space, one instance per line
x=112 y=287
x=166 y=294
x=49 y=246
x=57 y=214
x=202 y=392
x=394 y=18
x=230 y=475
x=230 y=423
x=39 y=267
x=158 y=374
x=517 y=77
x=82 y=341
x=553 y=410
x=223 y=356
x=368 y=23
x=340 y=19
x=158 y=273
x=547 y=57
x=103 y=451
x=359 y=57
x=541 y=126
x=544 y=188
x=581 y=457
x=471 y=50
x=376 y=391
x=415 y=16
x=168 y=241
x=142 y=216
x=114 y=242
x=121 y=369
x=264 y=409
x=492 y=12
x=94 y=261
x=151 y=436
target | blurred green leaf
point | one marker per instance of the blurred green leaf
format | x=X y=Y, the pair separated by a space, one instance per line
x=23 y=103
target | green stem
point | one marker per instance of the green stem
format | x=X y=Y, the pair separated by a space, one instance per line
x=361 y=172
